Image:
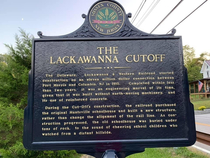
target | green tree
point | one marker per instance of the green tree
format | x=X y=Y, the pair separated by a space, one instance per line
x=192 y=63
x=14 y=69
x=189 y=54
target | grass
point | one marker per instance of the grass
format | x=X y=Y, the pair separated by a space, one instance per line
x=198 y=97
x=169 y=153
x=194 y=97
x=202 y=102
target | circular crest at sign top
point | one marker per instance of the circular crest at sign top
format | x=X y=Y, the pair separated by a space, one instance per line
x=106 y=17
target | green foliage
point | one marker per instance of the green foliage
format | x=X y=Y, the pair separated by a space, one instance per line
x=189 y=55
x=14 y=69
x=11 y=125
x=21 y=54
x=193 y=64
x=18 y=151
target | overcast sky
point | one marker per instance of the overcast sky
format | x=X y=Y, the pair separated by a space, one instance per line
x=54 y=17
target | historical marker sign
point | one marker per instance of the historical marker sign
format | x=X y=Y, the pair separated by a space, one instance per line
x=93 y=94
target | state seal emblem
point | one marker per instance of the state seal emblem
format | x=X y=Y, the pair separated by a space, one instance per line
x=106 y=17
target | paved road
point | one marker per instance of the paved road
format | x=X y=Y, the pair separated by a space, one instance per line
x=203 y=123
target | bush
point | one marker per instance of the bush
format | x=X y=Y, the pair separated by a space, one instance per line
x=201 y=108
x=11 y=125
x=14 y=68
